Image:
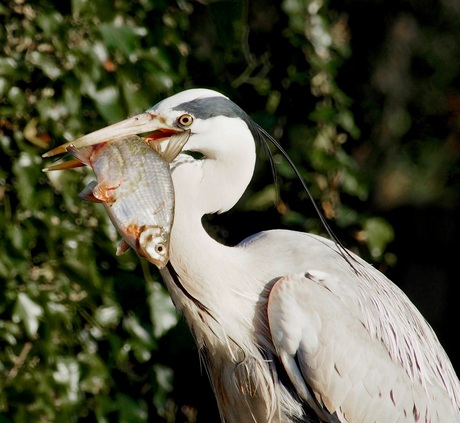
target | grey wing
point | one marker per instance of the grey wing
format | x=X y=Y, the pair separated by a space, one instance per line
x=334 y=363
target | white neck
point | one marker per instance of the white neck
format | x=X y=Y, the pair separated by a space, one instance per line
x=213 y=184
x=210 y=282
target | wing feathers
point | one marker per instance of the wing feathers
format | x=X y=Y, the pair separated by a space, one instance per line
x=333 y=361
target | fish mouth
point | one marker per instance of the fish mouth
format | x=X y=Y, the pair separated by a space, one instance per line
x=153 y=126
x=153 y=244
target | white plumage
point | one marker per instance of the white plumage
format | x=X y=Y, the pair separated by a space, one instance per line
x=290 y=330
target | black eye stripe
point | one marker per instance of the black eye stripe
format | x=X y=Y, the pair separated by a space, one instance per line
x=208 y=107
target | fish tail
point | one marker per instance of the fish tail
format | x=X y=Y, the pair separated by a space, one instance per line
x=83 y=154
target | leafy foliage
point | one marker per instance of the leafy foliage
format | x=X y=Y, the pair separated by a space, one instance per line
x=72 y=329
x=87 y=335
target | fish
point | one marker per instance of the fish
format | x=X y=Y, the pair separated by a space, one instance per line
x=134 y=185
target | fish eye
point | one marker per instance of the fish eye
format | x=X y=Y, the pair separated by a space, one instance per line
x=160 y=249
x=185 y=120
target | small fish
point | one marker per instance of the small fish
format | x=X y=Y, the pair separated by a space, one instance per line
x=134 y=185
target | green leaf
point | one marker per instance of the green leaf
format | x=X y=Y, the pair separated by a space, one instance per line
x=263 y=199
x=27 y=173
x=378 y=234
x=131 y=410
x=95 y=375
x=108 y=103
x=163 y=313
x=49 y=22
x=46 y=63
x=28 y=312
x=164 y=377
x=67 y=374
x=108 y=316
x=8 y=66
x=124 y=38
x=140 y=341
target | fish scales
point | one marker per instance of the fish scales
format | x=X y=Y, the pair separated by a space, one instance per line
x=134 y=185
x=144 y=178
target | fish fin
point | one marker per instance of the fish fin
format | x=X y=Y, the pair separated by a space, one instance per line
x=88 y=193
x=175 y=144
x=105 y=193
x=83 y=154
x=122 y=247
x=154 y=145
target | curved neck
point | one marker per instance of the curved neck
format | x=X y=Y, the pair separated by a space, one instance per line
x=213 y=184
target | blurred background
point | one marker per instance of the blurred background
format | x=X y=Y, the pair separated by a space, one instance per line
x=363 y=94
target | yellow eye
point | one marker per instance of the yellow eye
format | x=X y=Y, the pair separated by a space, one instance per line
x=185 y=120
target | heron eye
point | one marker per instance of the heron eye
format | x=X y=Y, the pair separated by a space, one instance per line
x=185 y=120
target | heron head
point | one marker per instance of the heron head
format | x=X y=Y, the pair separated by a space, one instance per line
x=199 y=111
x=211 y=125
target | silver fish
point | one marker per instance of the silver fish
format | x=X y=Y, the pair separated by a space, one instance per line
x=134 y=185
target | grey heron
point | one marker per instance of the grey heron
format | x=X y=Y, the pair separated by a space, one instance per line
x=292 y=327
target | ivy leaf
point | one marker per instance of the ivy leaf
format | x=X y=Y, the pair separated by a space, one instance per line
x=378 y=234
x=28 y=312
x=162 y=311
